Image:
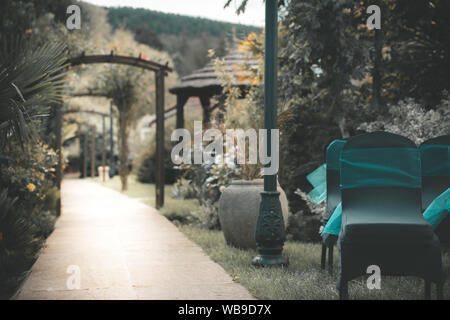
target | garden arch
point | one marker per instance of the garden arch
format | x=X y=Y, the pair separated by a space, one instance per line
x=160 y=72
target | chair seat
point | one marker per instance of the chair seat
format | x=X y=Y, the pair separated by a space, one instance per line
x=382 y=220
x=366 y=231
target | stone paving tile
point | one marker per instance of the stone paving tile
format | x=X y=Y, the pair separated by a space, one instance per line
x=124 y=250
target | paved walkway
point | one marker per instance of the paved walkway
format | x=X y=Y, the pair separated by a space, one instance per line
x=122 y=249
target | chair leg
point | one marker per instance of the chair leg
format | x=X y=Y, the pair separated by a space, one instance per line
x=323 y=259
x=330 y=259
x=440 y=290
x=343 y=291
x=427 y=290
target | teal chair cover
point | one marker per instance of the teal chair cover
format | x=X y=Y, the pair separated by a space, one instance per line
x=438 y=210
x=334 y=153
x=382 y=222
x=435 y=160
x=435 y=155
x=318 y=179
x=369 y=168
x=333 y=225
x=333 y=199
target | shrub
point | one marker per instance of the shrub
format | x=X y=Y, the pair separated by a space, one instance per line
x=146 y=167
x=27 y=209
x=208 y=215
x=205 y=183
x=18 y=243
x=305 y=225
x=410 y=119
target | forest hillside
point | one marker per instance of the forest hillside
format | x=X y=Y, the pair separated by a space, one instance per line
x=187 y=39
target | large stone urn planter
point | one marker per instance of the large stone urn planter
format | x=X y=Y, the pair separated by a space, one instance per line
x=239 y=209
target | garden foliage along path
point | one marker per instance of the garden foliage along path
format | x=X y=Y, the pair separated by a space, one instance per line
x=109 y=246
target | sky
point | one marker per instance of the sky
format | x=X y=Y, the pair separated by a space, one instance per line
x=211 y=9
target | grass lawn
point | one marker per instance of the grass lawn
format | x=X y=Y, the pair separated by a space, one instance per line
x=303 y=279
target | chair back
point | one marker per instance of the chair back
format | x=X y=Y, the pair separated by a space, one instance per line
x=435 y=158
x=380 y=175
x=332 y=164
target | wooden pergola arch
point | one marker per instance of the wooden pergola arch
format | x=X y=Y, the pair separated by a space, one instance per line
x=160 y=72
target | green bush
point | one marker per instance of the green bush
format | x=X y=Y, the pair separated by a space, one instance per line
x=205 y=183
x=146 y=167
x=19 y=243
x=208 y=215
x=27 y=209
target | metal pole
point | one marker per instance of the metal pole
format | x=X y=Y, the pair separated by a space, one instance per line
x=111 y=141
x=103 y=149
x=270 y=234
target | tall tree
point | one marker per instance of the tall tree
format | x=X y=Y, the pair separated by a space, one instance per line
x=121 y=90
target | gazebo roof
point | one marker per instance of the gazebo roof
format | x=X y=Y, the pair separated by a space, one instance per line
x=205 y=81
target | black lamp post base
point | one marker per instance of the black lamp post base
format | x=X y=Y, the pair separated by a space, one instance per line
x=270 y=233
x=268 y=260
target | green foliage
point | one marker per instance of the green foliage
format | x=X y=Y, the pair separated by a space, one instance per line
x=172 y=24
x=304 y=225
x=416 y=34
x=28 y=207
x=205 y=182
x=18 y=243
x=186 y=38
x=143 y=34
x=146 y=167
x=18 y=15
x=31 y=79
x=208 y=216
x=410 y=119
x=28 y=174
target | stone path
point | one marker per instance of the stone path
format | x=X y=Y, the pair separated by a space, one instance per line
x=121 y=249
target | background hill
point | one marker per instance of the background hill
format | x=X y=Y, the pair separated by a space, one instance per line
x=186 y=38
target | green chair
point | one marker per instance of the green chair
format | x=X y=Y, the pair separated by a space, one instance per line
x=435 y=158
x=382 y=222
x=333 y=199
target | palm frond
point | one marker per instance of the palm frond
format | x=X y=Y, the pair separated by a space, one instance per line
x=31 y=79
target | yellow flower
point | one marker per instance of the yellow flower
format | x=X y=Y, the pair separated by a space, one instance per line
x=31 y=187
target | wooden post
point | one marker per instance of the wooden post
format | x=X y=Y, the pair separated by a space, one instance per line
x=159 y=80
x=206 y=106
x=104 y=149
x=58 y=142
x=93 y=152
x=111 y=141
x=181 y=101
x=85 y=151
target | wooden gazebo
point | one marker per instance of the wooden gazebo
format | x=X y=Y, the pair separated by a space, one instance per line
x=205 y=84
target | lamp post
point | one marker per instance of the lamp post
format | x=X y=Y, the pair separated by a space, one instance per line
x=270 y=234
